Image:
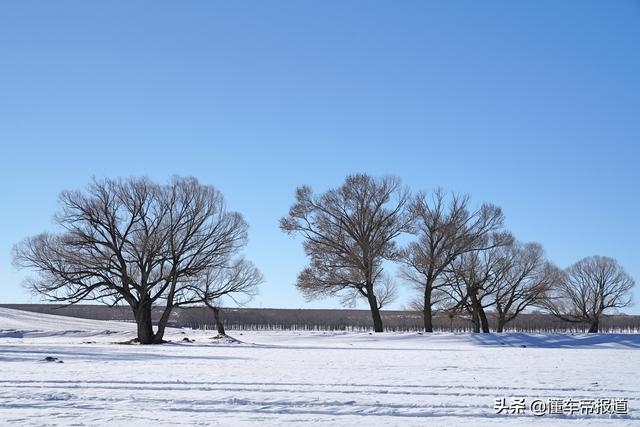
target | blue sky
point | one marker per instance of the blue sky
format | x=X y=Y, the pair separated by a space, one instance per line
x=534 y=106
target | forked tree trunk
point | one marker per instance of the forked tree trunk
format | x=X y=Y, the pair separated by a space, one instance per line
x=426 y=311
x=375 y=312
x=594 y=328
x=158 y=338
x=219 y=324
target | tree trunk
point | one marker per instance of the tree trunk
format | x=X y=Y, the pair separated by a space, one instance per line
x=475 y=312
x=162 y=324
x=375 y=312
x=475 y=318
x=426 y=311
x=502 y=321
x=219 y=324
x=593 y=329
x=142 y=314
x=483 y=320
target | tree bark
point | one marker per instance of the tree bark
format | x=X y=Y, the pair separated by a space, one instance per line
x=483 y=320
x=142 y=314
x=594 y=328
x=219 y=324
x=375 y=312
x=475 y=312
x=475 y=318
x=426 y=311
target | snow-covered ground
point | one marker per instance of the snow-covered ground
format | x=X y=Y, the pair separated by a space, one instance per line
x=312 y=377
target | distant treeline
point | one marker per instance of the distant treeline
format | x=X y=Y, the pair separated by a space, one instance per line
x=332 y=320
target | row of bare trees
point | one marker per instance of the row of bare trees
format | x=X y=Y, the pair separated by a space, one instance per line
x=460 y=260
x=144 y=244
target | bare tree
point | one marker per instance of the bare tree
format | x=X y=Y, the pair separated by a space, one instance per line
x=473 y=278
x=237 y=282
x=348 y=233
x=589 y=288
x=524 y=281
x=446 y=229
x=134 y=241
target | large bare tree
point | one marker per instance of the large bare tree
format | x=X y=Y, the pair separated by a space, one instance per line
x=135 y=241
x=588 y=288
x=348 y=234
x=524 y=281
x=446 y=228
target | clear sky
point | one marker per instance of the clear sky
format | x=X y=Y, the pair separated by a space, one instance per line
x=534 y=106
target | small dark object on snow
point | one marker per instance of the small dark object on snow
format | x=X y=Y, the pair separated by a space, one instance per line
x=186 y=339
x=523 y=346
x=52 y=359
